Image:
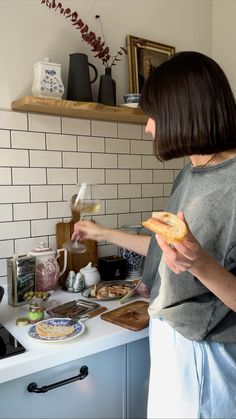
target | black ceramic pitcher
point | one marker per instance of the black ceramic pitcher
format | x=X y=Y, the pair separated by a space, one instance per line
x=79 y=83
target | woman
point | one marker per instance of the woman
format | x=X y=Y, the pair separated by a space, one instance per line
x=192 y=112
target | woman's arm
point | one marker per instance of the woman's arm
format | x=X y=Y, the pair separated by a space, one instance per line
x=84 y=230
x=189 y=256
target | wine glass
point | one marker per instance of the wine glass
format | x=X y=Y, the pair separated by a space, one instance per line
x=82 y=203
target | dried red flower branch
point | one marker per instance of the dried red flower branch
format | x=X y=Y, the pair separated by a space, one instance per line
x=96 y=43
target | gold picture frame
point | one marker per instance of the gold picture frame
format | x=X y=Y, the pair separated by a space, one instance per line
x=143 y=57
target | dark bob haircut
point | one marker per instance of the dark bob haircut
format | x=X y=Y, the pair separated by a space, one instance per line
x=193 y=106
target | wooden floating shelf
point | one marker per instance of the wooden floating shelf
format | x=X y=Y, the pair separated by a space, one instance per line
x=86 y=110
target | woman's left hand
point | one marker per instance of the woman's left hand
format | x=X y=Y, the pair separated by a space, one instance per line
x=182 y=256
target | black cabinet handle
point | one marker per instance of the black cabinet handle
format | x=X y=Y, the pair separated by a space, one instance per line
x=33 y=387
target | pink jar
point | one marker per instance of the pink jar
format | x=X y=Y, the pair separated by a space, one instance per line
x=47 y=268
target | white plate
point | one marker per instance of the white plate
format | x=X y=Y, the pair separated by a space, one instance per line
x=129 y=105
x=78 y=330
x=86 y=292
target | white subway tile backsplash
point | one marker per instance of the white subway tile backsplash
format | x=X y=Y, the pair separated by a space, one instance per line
x=140 y=204
x=25 y=139
x=44 y=123
x=6 y=248
x=13 y=230
x=108 y=220
x=115 y=145
x=117 y=176
x=45 y=159
x=22 y=246
x=141 y=176
x=61 y=176
x=163 y=176
x=61 y=142
x=13 y=120
x=28 y=176
x=6 y=213
x=44 y=227
x=104 y=160
x=129 y=161
x=124 y=219
x=91 y=144
x=105 y=192
x=59 y=209
x=104 y=129
x=46 y=193
x=5 y=175
x=167 y=189
x=115 y=206
x=5 y=138
x=151 y=162
x=91 y=175
x=10 y=194
x=141 y=147
x=159 y=203
x=174 y=164
x=76 y=126
x=41 y=166
x=9 y=157
x=107 y=250
x=129 y=131
x=129 y=191
x=30 y=211
x=152 y=189
x=76 y=159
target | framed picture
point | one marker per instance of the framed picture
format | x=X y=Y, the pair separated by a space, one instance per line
x=143 y=57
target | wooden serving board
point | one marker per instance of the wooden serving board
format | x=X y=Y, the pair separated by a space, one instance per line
x=75 y=261
x=133 y=316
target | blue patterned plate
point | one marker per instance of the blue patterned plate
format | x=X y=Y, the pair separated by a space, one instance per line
x=78 y=329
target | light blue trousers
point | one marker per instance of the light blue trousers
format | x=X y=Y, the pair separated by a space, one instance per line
x=190 y=379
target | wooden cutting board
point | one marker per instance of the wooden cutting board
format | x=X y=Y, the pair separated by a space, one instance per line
x=133 y=316
x=75 y=261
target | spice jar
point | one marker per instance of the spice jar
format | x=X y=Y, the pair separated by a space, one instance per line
x=36 y=310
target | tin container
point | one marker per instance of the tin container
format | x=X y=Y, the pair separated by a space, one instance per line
x=21 y=278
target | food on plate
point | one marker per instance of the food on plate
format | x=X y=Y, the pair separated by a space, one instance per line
x=28 y=295
x=168 y=225
x=53 y=330
x=112 y=291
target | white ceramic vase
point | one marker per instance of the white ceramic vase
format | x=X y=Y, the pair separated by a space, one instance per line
x=47 y=80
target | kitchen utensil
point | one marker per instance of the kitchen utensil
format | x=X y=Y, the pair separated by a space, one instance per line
x=74 y=309
x=133 y=316
x=130 y=294
x=47 y=268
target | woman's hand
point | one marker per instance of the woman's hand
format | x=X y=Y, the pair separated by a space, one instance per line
x=183 y=256
x=88 y=230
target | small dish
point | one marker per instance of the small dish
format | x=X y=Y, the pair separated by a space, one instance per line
x=129 y=105
x=123 y=283
x=78 y=329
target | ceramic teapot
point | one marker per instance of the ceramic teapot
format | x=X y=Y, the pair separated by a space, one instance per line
x=90 y=274
x=47 y=268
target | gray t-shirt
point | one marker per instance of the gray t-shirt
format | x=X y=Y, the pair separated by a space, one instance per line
x=207 y=196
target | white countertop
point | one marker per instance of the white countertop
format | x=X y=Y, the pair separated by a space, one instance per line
x=99 y=335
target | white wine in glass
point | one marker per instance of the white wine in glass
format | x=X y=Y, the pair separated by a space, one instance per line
x=81 y=205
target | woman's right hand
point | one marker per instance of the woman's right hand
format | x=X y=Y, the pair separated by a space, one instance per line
x=88 y=230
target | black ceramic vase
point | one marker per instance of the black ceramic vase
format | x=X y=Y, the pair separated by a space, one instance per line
x=107 y=89
x=79 y=82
